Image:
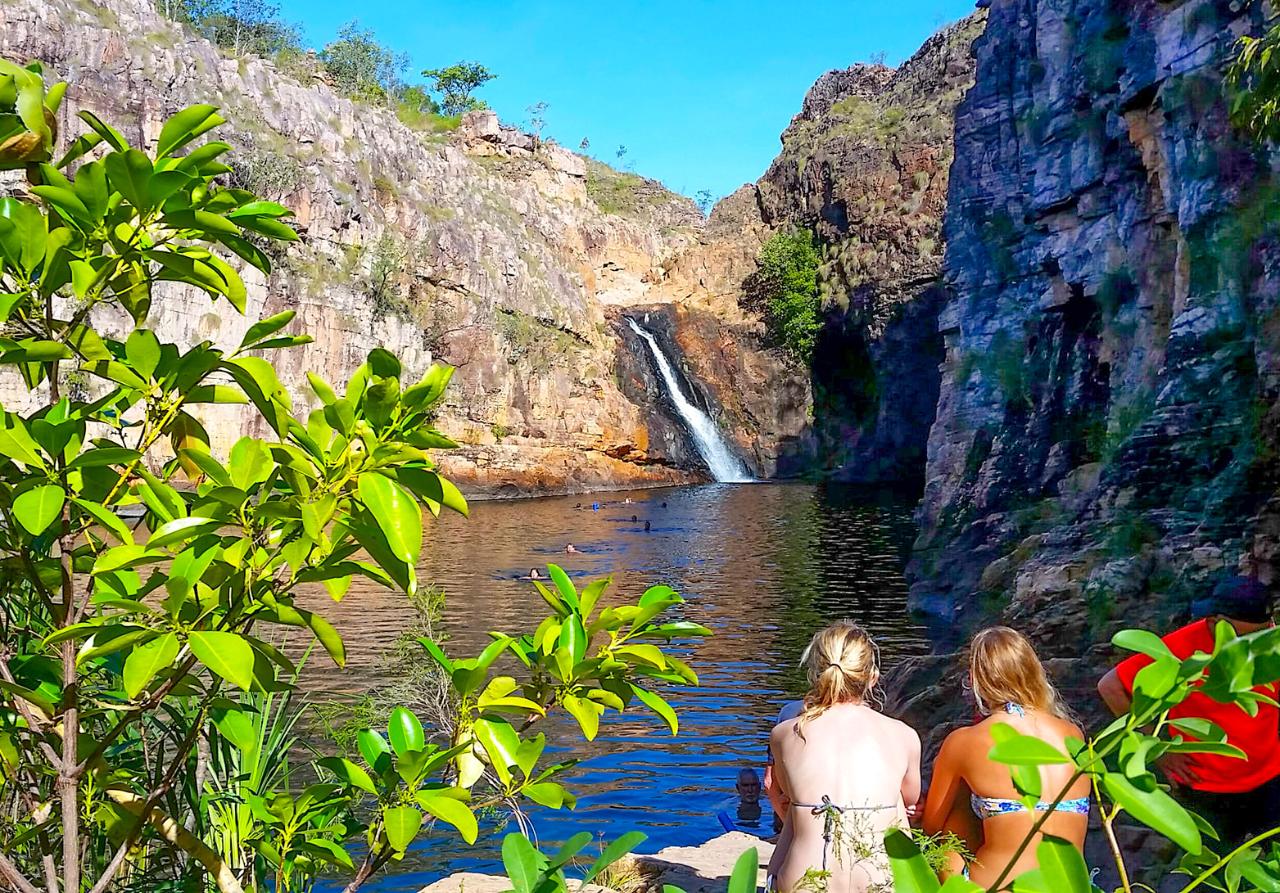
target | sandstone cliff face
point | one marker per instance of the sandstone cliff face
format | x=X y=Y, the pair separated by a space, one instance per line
x=481 y=249
x=1107 y=432
x=864 y=166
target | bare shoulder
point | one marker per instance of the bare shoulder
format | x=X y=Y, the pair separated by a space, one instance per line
x=960 y=741
x=783 y=732
x=1067 y=728
x=906 y=733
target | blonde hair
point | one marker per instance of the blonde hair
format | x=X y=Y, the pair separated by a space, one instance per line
x=843 y=665
x=1005 y=670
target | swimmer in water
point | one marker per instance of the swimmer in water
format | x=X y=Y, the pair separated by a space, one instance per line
x=533 y=574
x=646 y=526
x=570 y=549
x=634 y=519
x=664 y=505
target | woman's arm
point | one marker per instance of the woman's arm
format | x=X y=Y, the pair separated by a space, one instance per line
x=778 y=788
x=944 y=809
x=911 y=780
x=946 y=785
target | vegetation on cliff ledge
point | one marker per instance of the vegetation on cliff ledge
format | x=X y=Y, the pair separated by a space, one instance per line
x=785 y=288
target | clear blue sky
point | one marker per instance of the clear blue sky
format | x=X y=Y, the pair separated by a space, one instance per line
x=697 y=91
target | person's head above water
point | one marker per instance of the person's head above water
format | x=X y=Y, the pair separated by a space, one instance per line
x=843 y=665
x=533 y=573
x=646 y=525
x=1004 y=669
x=748 y=785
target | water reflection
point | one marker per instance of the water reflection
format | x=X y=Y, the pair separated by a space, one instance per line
x=762 y=565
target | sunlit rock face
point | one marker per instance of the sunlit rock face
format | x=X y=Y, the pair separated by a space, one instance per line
x=482 y=248
x=864 y=166
x=1107 y=428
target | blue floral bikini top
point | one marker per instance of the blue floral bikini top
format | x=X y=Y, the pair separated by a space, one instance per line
x=986 y=807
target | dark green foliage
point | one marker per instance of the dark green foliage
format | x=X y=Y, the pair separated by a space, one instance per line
x=785 y=286
x=456 y=83
x=242 y=26
x=361 y=67
x=127 y=635
x=417 y=109
x=1254 y=84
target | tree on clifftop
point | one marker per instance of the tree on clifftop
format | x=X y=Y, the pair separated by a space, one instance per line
x=456 y=83
x=360 y=66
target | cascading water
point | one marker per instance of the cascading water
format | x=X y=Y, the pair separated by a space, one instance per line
x=724 y=465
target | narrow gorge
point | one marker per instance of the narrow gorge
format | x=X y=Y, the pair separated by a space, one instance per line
x=1047 y=287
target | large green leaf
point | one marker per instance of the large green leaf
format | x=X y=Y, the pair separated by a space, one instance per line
x=226 y=654
x=586 y=712
x=130 y=174
x=523 y=862
x=573 y=638
x=1141 y=641
x=746 y=872
x=39 y=507
x=632 y=839
x=564 y=585
x=143 y=662
x=185 y=126
x=1155 y=809
x=180 y=530
x=397 y=513
x=449 y=809
x=548 y=794
x=349 y=772
x=405 y=731
x=106 y=519
x=250 y=463
x=374 y=748
x=658 y=705
x=501 y=743
x=1062 y=866
x=1015 y=749
x=401 y=824
x=16 y=442
x=911 y=873
x=236 y=726
x=269 y=326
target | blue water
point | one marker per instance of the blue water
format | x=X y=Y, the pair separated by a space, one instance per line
x=763 y=565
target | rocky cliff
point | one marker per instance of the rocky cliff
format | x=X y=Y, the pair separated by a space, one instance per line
x=1107 y=430
x=864 y=167
x=510 y=259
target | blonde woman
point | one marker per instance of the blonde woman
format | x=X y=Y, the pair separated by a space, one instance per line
x=847 y=771
x=975 y=797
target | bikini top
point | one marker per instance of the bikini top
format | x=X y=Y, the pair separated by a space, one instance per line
x=986 y=807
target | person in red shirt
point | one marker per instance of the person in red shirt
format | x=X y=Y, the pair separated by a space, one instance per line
x=1241 y=798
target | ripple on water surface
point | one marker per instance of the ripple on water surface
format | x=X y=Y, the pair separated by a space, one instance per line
x=762 y=565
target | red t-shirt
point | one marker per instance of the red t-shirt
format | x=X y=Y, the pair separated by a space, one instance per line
x=1258 y=736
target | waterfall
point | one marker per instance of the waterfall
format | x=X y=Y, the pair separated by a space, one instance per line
x=724 y=465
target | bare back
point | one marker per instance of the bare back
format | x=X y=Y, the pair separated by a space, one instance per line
x=849 y=778
x=964 y=769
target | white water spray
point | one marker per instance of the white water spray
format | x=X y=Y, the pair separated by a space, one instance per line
x=724 y=465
